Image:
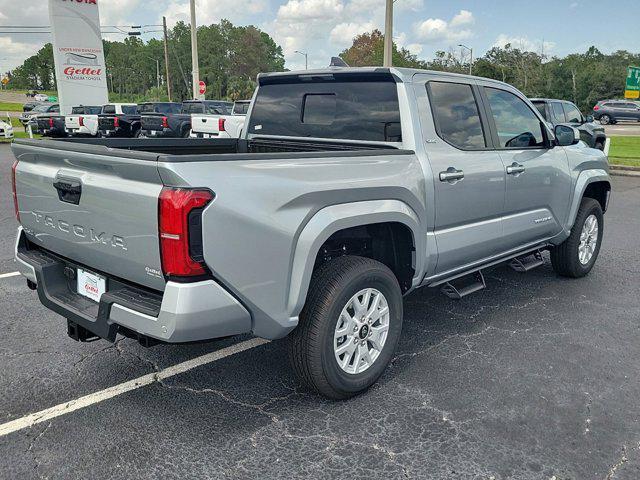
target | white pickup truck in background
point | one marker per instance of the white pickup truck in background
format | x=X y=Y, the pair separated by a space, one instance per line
x=83 y=121
x=220 y=126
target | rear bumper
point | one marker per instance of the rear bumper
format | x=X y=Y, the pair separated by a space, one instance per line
x=160 y=133
x=184 y=312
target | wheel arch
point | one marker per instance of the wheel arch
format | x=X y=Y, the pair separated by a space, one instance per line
x=337 y=218
x=592 y=183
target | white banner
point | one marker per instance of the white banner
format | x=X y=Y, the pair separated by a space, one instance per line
x=77 y=51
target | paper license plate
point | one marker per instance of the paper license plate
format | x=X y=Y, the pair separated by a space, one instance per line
x=91 y=285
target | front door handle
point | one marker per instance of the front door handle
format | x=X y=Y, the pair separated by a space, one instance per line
x=515 y=169
x=451 y=175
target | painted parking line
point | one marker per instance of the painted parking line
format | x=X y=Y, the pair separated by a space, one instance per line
x=111 y=392
x=7 y=275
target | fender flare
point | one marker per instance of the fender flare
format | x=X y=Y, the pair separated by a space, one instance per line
x=334 y=218
x=585 y=178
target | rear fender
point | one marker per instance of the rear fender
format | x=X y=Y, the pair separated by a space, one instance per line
x=331 y=219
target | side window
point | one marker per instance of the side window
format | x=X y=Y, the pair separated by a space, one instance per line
x=456 y=115
x=517 y=125
x=558 y=112
x=573 y=114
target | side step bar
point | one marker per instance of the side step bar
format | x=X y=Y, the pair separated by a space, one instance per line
x=527 y=263
x=461 y=289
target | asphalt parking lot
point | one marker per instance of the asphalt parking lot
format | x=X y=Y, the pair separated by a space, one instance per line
x=534 y=378
x=623 y=129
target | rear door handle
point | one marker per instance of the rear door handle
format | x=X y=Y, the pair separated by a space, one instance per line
x=515 y=169
x=451 y=175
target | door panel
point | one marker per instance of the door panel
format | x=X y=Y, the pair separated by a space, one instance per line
x=538 y=183
x=468 y=210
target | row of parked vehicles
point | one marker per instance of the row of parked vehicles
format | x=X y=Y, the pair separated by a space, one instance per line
x=192 y=118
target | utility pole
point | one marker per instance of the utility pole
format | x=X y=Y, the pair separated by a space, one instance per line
x=388 y=35
x=166 y=55
x=194 y=51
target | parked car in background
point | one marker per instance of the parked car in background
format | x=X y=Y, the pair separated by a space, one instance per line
x=341 y=197
x=40 y=109
x=562 y=112
x=51 y=125
x=40 y=97
x=28 y=106
x=179 y=124
x=83 y=120
x=222 y=126
x=6 y=129
x=119 y=120
x=610 y=112
x=159 y=119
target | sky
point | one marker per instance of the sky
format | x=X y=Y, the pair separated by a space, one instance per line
x=324 y=28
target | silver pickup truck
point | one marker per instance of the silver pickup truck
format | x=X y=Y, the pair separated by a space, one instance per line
x=348 y=189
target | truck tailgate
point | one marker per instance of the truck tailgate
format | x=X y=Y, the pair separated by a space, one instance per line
x=92 y=206
x=72 y=121
x=205 y=124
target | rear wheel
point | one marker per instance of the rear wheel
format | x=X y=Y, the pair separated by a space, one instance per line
x=349 y=327
x=605 y=119
x=577 y=255
x=186 y=133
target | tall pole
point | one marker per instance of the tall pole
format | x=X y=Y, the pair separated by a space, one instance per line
x=194 y=50
x=166 y=56
x=388 y=35
x=158 y=73
x=471 y=63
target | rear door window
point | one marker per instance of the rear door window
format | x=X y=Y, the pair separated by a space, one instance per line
x=456 y=115
x=516 y=124
x=558 y=112
x=336 y=106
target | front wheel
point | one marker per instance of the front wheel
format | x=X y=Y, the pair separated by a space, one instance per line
x=349 y=327
x=577 y=255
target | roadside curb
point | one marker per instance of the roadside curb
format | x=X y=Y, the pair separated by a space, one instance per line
x=624 y=170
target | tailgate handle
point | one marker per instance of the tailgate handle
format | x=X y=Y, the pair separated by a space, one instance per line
x=69 y=191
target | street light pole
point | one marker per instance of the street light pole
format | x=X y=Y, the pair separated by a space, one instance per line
x=194 y=51
x=470 y=56
x=388 y=35
x=306 y=59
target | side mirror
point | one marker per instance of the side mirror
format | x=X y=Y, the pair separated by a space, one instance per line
x=589 y=119
x=566 y=135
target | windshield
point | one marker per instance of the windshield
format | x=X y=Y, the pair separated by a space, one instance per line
x=348 y=107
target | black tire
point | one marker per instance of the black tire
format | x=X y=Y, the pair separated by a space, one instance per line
x=605 y=120
x=599 y=145
x=137 y=133
x=564 y=257
x=311 y=344
x=186 y=132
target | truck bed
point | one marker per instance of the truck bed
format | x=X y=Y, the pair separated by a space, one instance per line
x=215 y=149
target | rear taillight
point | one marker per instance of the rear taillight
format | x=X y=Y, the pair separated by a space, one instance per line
x=165 y=122
x=13 y=189
x=51 y=122
x=180 y=228
x=81 y=121
x=596 y=108
x=116 y=122
x=221 y=124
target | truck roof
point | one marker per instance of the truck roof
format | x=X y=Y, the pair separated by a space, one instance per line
x=403 y=74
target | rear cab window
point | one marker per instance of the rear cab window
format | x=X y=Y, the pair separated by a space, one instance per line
x=129 y=109
x=329 y=106
x=109 y=109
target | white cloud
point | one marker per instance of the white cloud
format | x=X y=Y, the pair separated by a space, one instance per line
x=437 y=30
x=523 y=43
x=304 y=10
x=465 y=17
x=344 y=33
x=212 y=11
